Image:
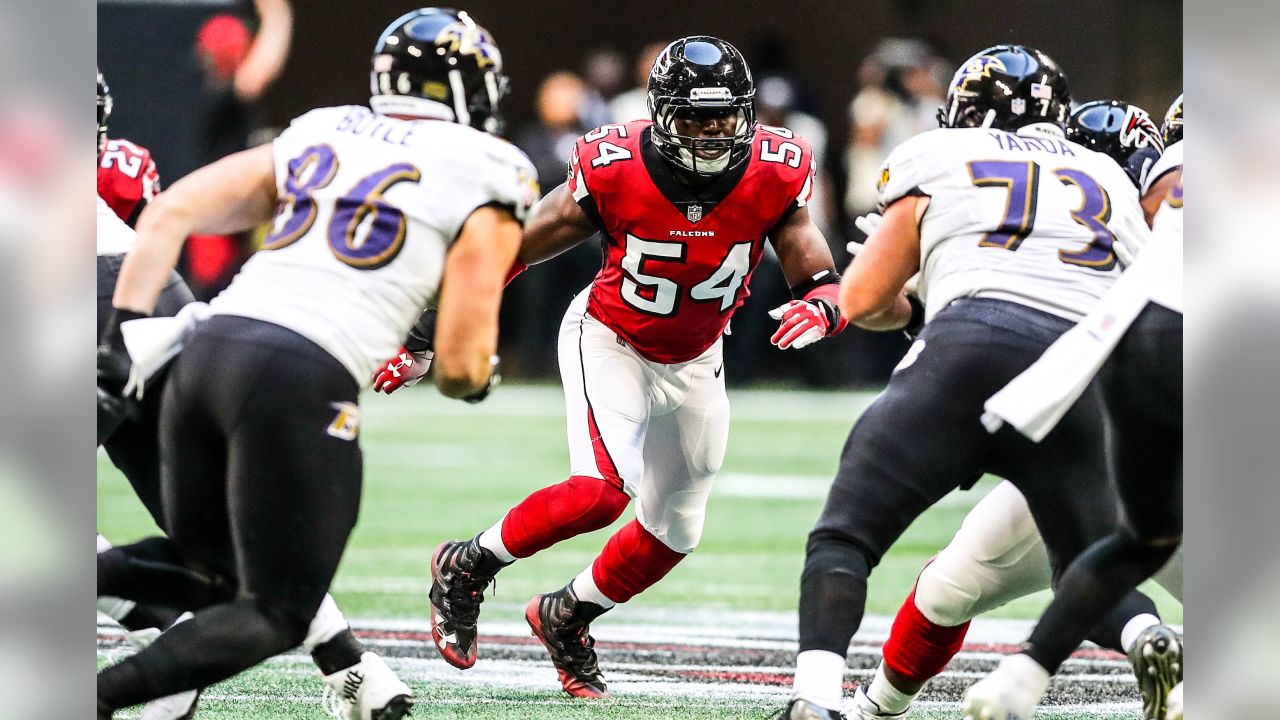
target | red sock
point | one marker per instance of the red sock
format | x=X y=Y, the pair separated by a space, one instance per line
x=917 y=648
x=632 y=561
x=578 y=505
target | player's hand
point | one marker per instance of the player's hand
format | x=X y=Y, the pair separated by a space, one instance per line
x=868 y=224
x=403 y=370
x=495 y=379
x=803 y=324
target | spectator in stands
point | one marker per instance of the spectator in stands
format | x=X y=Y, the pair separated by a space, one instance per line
x=631 y=105
x=605 y=72
x=239 y=65
x=537 y=300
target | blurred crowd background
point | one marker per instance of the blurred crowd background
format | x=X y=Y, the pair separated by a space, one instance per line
x=194 y=80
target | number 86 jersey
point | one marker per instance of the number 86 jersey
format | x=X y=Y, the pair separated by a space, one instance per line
x=368 y=207
x=1027 y=217
x=676 y=260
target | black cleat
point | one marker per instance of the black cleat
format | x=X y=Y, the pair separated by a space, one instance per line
x=1156 y=657
x=460 y=572
x=562 y=622
x=799 y=709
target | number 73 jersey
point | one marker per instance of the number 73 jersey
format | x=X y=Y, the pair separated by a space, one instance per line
x=1026 y=217
x=677 y=261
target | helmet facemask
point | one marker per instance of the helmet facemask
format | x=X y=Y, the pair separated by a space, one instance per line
x=703 y=156
x=104 y=113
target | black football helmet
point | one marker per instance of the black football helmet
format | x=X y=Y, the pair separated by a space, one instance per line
x=438 y=63
x=104 y=112
x=1122 y=131
x=699 y=76
x=1172 y=126
x=1006 y=87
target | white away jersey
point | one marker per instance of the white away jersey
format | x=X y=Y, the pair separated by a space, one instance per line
x=1169 y=160
x=114 y=236
x=369 y=205
x=1165 y=250
x=1027 y=217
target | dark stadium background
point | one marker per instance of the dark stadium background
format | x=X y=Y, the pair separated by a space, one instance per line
x=1130 y=50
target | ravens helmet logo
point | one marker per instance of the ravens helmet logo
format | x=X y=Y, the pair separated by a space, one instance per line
x=978 y=68
x=470 y=40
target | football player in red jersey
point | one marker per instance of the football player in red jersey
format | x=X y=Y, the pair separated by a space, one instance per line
x=127 y=175
x=685 y=203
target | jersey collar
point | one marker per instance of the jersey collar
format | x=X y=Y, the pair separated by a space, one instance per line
x=684 y=197
x=1042 y=129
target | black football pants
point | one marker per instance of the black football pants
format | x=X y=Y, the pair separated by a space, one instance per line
x=923 y=438
x=134 y=447
x=260 y=490
x=1142 y=387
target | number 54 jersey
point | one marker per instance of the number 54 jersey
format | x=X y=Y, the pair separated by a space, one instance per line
x=677 y=261
x=1026 y=217
x=368 y=207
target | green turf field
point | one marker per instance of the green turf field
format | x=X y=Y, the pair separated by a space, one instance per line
x=439 y=469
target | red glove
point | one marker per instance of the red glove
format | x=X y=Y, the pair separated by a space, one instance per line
x=404 y=370
x=805 y=322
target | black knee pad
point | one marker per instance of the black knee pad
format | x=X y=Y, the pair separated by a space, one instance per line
x=832 y=552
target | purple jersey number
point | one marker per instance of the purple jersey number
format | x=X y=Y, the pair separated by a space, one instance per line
x=1021 y=180
x=365 y=232
x=1093 y=213
x=296 y=211
x=385 y=224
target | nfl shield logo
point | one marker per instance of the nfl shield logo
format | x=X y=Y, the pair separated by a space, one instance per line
x=694 y=213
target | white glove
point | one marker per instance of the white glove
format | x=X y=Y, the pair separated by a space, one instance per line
x=869 y=224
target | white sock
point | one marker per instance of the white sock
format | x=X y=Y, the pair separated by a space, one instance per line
x=114 y=607
x=491 y=540
x=820 y=678
x=584 y=586
x=103 y=543
x=887 y=697
x=1031 y=678
x=1135 y=626
x=328 y=622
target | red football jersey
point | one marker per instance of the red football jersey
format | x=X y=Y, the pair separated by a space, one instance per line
x=677 y=262
x=127 y=178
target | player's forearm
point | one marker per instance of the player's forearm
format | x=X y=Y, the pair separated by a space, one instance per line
x=556 y=224
x=270 y=49
x=467 y=319
x=161 y=231
x=894 y=315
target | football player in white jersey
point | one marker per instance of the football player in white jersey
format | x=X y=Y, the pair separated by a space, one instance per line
x=997 y=555
x=1133 y=341
x=133 y=444
x=377 y=214
x=1015 y=233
